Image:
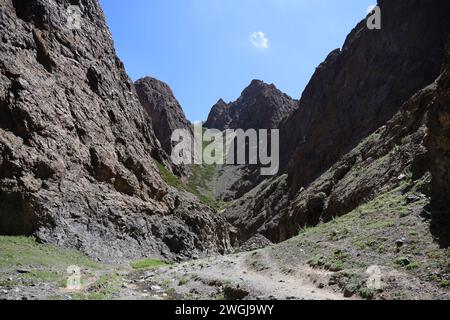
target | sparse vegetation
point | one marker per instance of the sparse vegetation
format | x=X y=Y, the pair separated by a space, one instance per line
x=28 y=263
x=353 y=283
x=168 y=176
x=148 y=264
x=369 y=235
x=196 y=184
x=445 y=284
x=26 y=252
x=103 y=289
x=402 y=261
x=183 y=281
x=334 y=262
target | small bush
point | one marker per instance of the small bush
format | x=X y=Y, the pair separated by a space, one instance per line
x=402 y=261
x=182 y=281
x=445 y=284
x=412 y=266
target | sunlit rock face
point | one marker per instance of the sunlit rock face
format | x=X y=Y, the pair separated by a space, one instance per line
x=76 y=146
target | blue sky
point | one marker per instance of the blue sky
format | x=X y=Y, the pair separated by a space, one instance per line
x=211 y=49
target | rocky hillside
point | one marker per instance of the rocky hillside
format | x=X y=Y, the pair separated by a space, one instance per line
x=76 y=146
x=361 y=86
x=260 y=106
x=165 y=111
x=366 y=124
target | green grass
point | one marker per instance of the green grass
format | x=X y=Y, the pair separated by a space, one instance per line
x=196 y=184
x=103 y=289
x=41 y=263
x=334 y=262
x=168 y=176
x=402 y=261
x=148 y=264
x=26 y=252
x=445 y=284
x=355 y=284
x=412 y=266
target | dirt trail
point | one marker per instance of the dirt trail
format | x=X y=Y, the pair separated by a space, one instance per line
x=255 y=273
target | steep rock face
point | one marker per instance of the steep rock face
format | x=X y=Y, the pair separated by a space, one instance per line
x=357 y=89
x=260 y=106
x=76 y=146
x=165 y=111
x=438 y=142
x=411 y=149
x=336 y=165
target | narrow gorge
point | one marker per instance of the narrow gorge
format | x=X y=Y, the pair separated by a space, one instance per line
x=87 y=178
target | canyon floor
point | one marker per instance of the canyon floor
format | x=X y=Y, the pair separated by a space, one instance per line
x=330 y=261
x=255 y=275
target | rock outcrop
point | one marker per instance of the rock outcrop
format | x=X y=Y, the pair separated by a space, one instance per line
x=165 y=111
x=260 y=106
x=368 y=120
x=76 y=146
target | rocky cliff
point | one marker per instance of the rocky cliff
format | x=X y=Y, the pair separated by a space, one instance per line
x=165 y=111
x=260 y=106
x=365 y=125
x=76 y=146
x=361 y=86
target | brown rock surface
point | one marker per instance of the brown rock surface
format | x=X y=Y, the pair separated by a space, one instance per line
x=260 y=106
x=165 y=111
x=76 y=146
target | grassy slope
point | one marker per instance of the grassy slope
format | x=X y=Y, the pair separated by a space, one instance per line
x=41 y=270
x=196 y=184
x=23 y=262
x=368 y=236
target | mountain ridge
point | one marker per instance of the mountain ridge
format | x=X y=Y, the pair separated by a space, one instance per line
x=260 y=106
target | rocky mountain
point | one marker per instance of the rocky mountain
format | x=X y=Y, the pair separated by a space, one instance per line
x=364 y=182
x=260 y=106
x=77 y=148
x=373 y=115
x=165 y=111
x=361 y=86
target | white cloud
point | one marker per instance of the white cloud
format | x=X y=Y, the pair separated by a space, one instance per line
x=259 y=40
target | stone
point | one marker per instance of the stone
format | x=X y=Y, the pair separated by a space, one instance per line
x=235 y=293
x=23 y=271
x=400 y=242
x=348 y=293
x=156 y=288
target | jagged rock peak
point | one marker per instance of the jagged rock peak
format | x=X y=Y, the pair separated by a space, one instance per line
x=260 y=106
x=260 y=87
x=164 y=109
